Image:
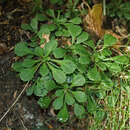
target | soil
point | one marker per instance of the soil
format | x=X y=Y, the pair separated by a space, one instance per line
x=26 y=114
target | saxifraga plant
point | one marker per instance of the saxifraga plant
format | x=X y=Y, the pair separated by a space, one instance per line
x=68 y=75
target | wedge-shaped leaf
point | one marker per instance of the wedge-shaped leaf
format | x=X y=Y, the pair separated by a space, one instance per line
x=81 y=50
x=109 y=40
x=69 y=99
x=59 y=92
x=74 y=30
x=102 y=66
x=79 y=110
x=78 y=80
x=82 y=68
x=29 y=90
x=84 y=60
x=44 y=70
x=63 y=114
x=58 y=102
x=50 y=46
x=29 y=62
x=17 y=66
x=80 y=96
x=21 y=49
x=26 y=27
x=34 y=24
x=59 y=52
x=38 y=51
x=39 y=89
x=114 y=67
x=27 y=74
x=120 y=59
x=50 y=12
x=50 y=85
x=82 y=37
x=41 y=17
x=93 y=74
x=90 y=43
x=67 y=66
x=58 y=75
x=76 y=20
x=44 y=102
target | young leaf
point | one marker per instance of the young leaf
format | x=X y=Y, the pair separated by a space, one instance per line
x=63 y=114
x=21 y=49
x=93 y=74
x=78 y=80
x=82 y=37
x=79 y=110
x=67 y=66
x=109 y=40
x=50 y=12
x=27 y=74
x=76 y=20
x=58 y=75
x=80 y=96
x=74 y=30
x=44 y=70
x=17 y=66
x=38 y=51
x=90 y=43
x=50 y=46
x=39 y=89
x=114 y=67
x=29 y=62
x=84 y=60
x=69 y=99
x=34 y=24
x=59 y=52
x=44 y=102
x=29 y=90
x=58 y=103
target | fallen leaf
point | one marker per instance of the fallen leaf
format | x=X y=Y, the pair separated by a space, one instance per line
x=46 y=37
x=3 y=48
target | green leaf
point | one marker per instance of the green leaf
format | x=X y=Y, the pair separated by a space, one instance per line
x=29 y=62
x=27 y=74
x=34 y=24
x=80 y=96
x=69 y=99
x=78 y=80
x=120 y=59
x=39 y=89
x=59 y=52
x=51 y=13
x=67 y=66
x=38 y=51
x=44 y=102
x=84 y=60
x=109 y=40
x=17 y=66
x=49 y=85
x=21 y=49
x=29 y=90
x=79 y=110
x=50 y=46
x=82 y=37
x=76 y=20
x=63 y=114
x=58 y=75
x=114 y=67
x=41 y=17
x=101 y=65
x=81 y=68
x=54 y=1
x=74 y=30
x=44 y=70
x=93 y=74
x=58 y=102
x=90 y=43
x=26 y=27
x=59 y=92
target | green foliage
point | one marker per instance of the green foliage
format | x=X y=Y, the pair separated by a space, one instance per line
x=69 y=75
